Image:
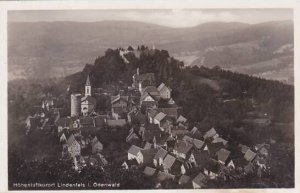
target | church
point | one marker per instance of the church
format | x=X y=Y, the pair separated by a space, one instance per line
x=88 y=103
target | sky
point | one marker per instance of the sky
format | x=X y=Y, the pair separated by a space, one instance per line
x=171 y=18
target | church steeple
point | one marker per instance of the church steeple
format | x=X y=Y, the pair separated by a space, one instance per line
x=88 y=83
x=88 y=87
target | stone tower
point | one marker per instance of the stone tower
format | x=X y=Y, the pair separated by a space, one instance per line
x=75 y=104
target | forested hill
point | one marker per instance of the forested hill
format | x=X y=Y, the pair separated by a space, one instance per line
x=198 y=89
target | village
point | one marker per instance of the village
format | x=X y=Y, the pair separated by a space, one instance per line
x=152 y=135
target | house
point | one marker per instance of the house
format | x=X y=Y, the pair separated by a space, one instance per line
x=151 y=115
x=73 y=146
x=184 y=179
x=62 y=123
x=149 y=171
x=159 y=118
x=159 y=157
x=182 y=149
x=148 y=101
x=199 y=158
x=249 y=168
x=162 y=176
x=213 y=148
x=199 y=181
x=140 y=81
x=220 y=140
x=134 y=152
x=164 y=91
x=152 y=90
x=178 y=132
x=243 y=148
x=86 y=122
x=119 y=106
x=171 y=165
x=198 y=144
x=173 y=112
x=211 y=133
x=147 y=156
x=129 y=164
x=88 y=104
x=147 y=145
x=181 y=119
x=63 y=138
x=212 y=169
x=249 y=155
x=116 y=123
x=132 y=138
x=99 y=121
x=223 y=155
x=188 y=139
x=96 y=145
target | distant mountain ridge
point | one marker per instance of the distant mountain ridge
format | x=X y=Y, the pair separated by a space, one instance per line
x=62 y=48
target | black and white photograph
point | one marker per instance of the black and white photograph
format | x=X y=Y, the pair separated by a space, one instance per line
x=127 y=99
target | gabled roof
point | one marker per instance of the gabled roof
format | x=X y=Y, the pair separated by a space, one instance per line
x=181 y=119
x=187 y=139
x=148 y=155
x=149 y=171
x=145 y=95
x=183 y=147
x=201 y=158
x=199 y=179
x=161 y=153
x=89 y=99
x=243 y=148
x=152 y=113
x=151 y=89
x=214 y=147
x=172 y=111
x=210 y=133
x=134 y=150
x=162 y=176
x=70 y=140
x=148 y=145
x=163 y=86
x=169 y=161
x=198 y=143
x=220 y=140
x=184 y=179
x=94 y=140
x=249 y=168
x=115 y=99
x=160 y=116
x=223 y=155
x=249 y=155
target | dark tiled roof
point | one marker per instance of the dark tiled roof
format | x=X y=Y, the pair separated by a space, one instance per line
x=90 y=99
x=184 y=179
x=134 y=150
x=161 y=153
x=149 y=171
x=183 y=147
x=199 y=179
x=223 y=155
x=249 y=155
x=210 y=133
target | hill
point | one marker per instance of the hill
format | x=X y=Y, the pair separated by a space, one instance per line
x=62 y=48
